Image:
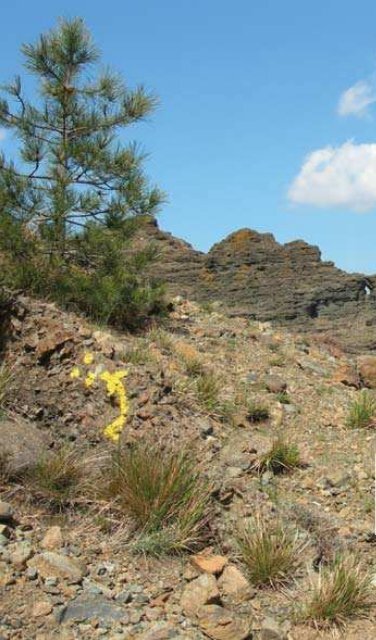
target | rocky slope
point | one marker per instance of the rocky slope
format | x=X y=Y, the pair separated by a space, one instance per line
x=74 y=574
x=259 y=278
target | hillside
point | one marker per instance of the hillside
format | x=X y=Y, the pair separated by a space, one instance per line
x=258 y=278
x=224 y=387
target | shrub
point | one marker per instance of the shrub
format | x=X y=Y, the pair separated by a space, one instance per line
x=163 y=493
x=281 y=458
x=257 y=412
x=56 y=478
x=362 y=411
x=341 y=592
x=208 y=388
x=270 y=551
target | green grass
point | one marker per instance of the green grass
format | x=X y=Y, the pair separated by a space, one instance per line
x=56 y=478
x=163 y=493
x=270 y=551
x=257 y=412
x=138 y=354
x=281 y=458
x=362 y=411
x=342 y=592
x=283 y=397
x=162 y=339
x=208 y=387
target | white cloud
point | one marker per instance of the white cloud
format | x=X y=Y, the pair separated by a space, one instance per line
x=356 y=100
x=335 y=177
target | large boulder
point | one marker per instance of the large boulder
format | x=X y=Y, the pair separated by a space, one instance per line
x=21 y=444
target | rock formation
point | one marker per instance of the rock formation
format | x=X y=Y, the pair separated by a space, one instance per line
x=255 y=276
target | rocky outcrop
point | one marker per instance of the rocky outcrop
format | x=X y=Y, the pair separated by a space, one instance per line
x=255 y=276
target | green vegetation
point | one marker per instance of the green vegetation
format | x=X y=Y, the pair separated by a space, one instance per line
x=56 y=478
x=70 y=208
x=257 y=412
x=283 y=397
x=281 y=458
x=208 y=387
x=163 y=493
x=362 y=411
x=341 y=593
x=271 y=552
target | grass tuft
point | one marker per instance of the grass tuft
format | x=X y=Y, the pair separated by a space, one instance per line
x=55 y=478
x=257 y=412
x=163 y=493
x=281 y=458
x=208 y=387
x=362 y=411
x=271 y=552
x=341 y=593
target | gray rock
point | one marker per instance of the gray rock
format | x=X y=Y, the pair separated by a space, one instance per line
x=88 y=607
x=22 y=443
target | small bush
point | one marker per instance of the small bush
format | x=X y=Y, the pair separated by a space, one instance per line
x=163 y=493
x=208 y=388
x=55 y=478
x=271 y=553
x=362 y=411
x=257 y=412
x=341 y=592
x=281 y=458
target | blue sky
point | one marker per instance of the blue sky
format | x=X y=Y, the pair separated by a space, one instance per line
x=267 y=114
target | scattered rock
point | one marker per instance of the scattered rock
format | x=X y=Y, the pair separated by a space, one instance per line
x=234 y=584
x=22 y=443
x=367 y=370
x=203 y=590
x=6 y=512
x=221 y=624
x=51 y=564
x=346 y=374
x=53 y=539
x=274 y=384
x=41 y=609
x=271 y=629
x=21 y=553
x=209 y=563
x=91 y=607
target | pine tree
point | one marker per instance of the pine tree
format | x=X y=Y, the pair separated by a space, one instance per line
x=73 y=180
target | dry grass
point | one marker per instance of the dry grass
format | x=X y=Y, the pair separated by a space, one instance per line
x=281 y=458
x=271 y=552
x=5 y=381
x=56 y=478
x=341 y=593
x=208 y=387
x=362 y=411
x=190 y=359
x=163 y=493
